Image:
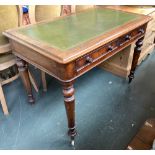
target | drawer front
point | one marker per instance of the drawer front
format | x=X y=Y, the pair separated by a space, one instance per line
x=102 y=53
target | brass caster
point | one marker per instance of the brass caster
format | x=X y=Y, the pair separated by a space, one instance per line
x=73 y=142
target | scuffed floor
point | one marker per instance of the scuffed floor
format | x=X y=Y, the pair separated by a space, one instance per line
x=109 y=111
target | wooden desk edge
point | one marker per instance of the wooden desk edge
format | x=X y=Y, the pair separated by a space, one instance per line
x=84 y=48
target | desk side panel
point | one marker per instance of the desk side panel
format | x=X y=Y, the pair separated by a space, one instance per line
x=62 y=72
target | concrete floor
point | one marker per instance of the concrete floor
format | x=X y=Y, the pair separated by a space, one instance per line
x=109 y=111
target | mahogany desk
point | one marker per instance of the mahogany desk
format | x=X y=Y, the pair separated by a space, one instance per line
x=69 y=46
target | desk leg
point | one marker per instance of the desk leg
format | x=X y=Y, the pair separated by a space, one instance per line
x=69 y=100
x=23 y=71
x=136 y=55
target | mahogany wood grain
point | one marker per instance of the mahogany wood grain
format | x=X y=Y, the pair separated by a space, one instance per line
x=69 y=100
x=136 y=55
x=68 y=65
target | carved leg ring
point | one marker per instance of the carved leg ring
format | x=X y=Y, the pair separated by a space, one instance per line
x=69 y=100
x=23 y=71
x=136 y=55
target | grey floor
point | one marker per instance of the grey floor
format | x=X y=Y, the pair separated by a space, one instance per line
x=109 y=111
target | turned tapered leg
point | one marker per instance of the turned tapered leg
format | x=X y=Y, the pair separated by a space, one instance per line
x=136 y=55
x=43 y=78
x=23 y=71
x=69 y=100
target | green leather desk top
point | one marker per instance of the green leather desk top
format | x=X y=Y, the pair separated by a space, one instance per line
x=68 y=32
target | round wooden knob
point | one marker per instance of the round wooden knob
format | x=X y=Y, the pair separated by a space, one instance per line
x=127 y=37
x=89 y=59
x=110 y=48
x=141 y=31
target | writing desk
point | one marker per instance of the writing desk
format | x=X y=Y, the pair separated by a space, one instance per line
x=69 y=46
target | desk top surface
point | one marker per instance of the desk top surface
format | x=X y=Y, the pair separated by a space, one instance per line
x=69 y=35
x=145 y=10
x=69 y=32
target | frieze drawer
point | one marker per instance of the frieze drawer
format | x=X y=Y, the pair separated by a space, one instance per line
x=108 y=49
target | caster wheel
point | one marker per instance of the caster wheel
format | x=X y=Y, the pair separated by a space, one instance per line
x=72 y=142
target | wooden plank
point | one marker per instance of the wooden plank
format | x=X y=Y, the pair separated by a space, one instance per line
x=3 y=101
x=137 y=144
x=145 y=137
x=143 y=56
x=147 y=134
